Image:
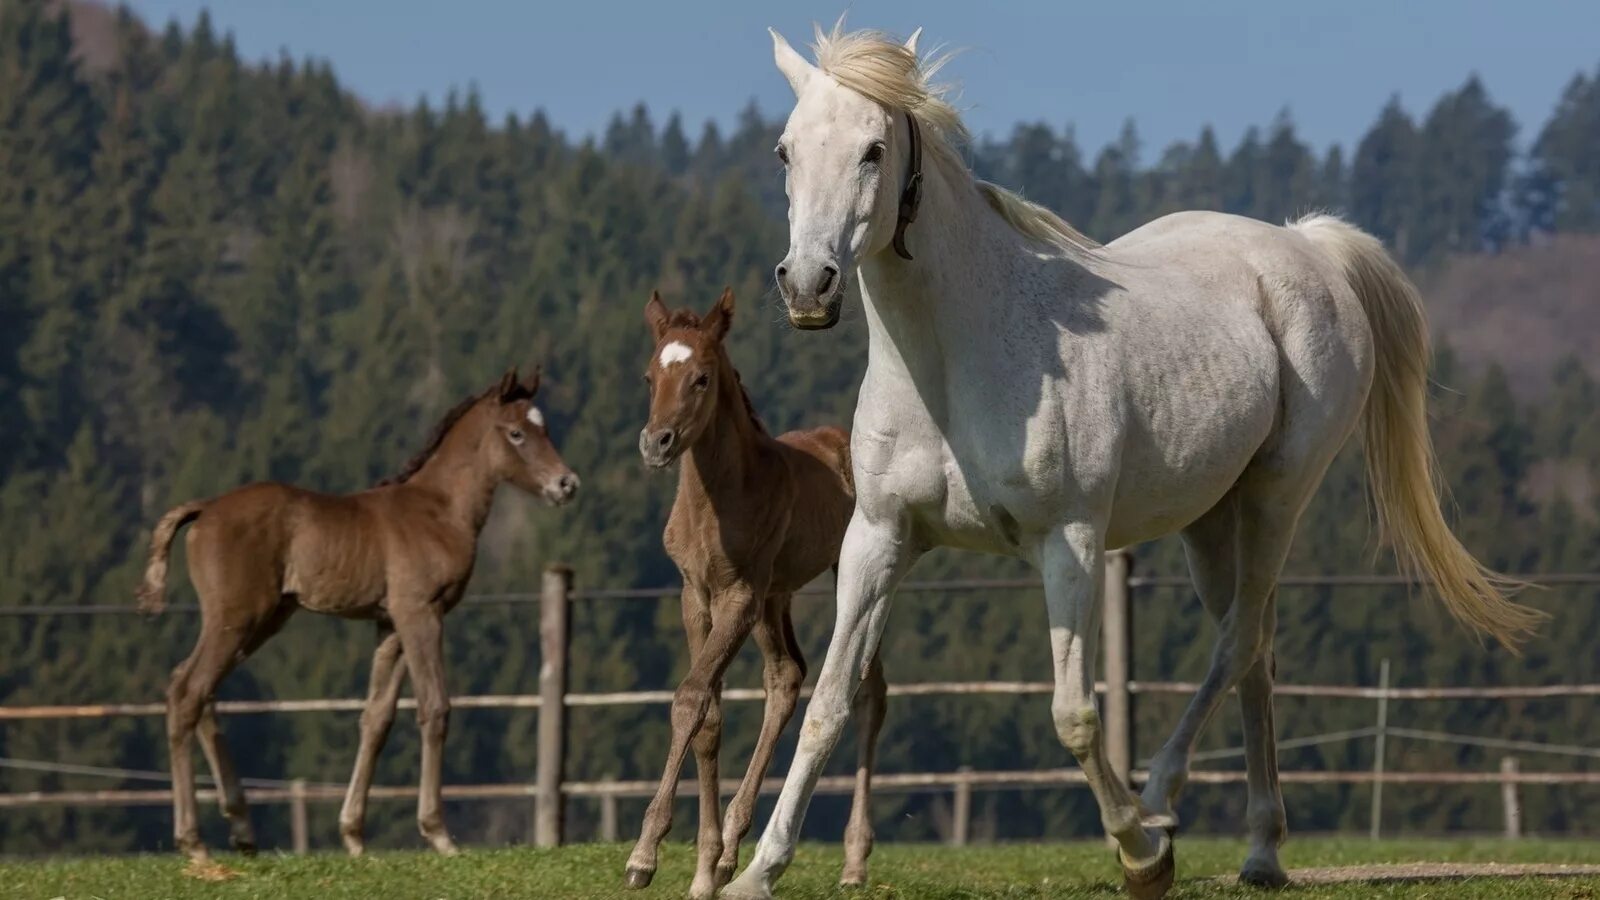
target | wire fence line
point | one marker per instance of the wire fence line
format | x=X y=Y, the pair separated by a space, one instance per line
x=962 y=585
x=550 y=788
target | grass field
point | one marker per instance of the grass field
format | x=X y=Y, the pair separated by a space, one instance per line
x=898 y=871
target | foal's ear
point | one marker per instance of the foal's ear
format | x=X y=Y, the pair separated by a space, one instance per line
x=720 y=318
x=531 y=386
x=656 y=315
x=793 y=66
x=507 y=391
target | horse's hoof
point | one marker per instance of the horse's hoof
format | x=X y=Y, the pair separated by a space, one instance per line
x=1152 y=880
x=1263 y=875
x=354 y=847
x=852 y=878
x=248 y=848
x=724 y=874
x=639 y=878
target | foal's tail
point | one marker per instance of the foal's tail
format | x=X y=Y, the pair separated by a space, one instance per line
x=152 y=593
x=1401 y=469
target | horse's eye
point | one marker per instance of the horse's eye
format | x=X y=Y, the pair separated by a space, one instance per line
x=874 y=154
x=783 y=155
x=516 y=435
x=701 y=381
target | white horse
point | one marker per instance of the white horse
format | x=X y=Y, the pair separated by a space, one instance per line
x=1033 y=394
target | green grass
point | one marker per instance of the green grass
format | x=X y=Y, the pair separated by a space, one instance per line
x=898 y=871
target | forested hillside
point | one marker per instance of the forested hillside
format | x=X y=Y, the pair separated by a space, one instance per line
x=214 y=271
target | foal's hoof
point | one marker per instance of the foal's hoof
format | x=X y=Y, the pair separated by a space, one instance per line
x=724 y=874
x=639 y=878
x=248 y=848
x=1152 y=880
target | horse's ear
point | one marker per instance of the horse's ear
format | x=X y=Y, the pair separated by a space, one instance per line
x=508 y=386
x=793 y=66
x=531 y=386
x=655 y=313
x=911 y=42
x=720 y=318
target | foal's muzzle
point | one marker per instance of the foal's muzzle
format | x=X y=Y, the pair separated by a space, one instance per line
x=659 y=447
x=561 y=491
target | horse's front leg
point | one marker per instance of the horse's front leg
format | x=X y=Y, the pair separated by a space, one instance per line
x=783 y=671
x=733 y=614
x=1074 y=575
x=875 y=556
x=421 y=632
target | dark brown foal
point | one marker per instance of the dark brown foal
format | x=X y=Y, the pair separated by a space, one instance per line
x=755 y=519
x=399 y=554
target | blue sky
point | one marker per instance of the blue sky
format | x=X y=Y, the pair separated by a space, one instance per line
x=1171 y=66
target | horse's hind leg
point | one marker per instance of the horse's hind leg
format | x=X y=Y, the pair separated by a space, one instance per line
x=383 y=695
x=1212 y=547
x=193 y=683
x=868 y=709
x=230 y=793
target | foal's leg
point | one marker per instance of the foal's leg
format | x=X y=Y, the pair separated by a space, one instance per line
x=782 y=674
x=1074 y=576
x=868 y=709
x=1211 y=545
x=383 y=695
x=193 y=683
x=875 y=556
x=734 y=613
x=230 y=793
x=421 y=634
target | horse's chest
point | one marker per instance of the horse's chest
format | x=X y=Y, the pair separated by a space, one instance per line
x=986 y=493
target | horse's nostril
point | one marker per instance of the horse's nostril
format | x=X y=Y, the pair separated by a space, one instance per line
x=665 y=440
x=829 y=273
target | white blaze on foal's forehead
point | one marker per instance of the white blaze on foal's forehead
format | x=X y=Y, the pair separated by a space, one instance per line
x=675 y=352
x=535 y=416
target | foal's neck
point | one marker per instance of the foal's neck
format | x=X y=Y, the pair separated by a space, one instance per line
x=718 y=460
x=457 y=473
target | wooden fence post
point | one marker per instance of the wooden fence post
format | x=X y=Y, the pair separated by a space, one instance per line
x=608 y=815
x=1508 y=796
x=1116 y=635
x=299 y=832
x=1380 y=738
x=961 y=809
x=555 y=633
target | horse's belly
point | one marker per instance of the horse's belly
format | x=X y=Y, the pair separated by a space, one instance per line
x=1178 y=469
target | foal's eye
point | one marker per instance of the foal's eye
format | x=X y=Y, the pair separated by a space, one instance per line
x=701 y=381
x=783 y=155
x=874 y=154
x=516 y=435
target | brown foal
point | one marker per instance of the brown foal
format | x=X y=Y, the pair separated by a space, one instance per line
x=399 y=554
x=755 y=519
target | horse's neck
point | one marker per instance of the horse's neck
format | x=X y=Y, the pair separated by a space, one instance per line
x=468 y=487
x=923 y=313
x=718 y=460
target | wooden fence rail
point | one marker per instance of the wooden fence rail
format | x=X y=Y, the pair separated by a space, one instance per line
x=551 y=789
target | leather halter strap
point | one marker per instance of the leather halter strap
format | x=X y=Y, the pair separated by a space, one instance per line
x=911 y=196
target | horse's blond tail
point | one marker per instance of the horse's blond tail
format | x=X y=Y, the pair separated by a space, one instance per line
x=152 y=592
x=1402 y=472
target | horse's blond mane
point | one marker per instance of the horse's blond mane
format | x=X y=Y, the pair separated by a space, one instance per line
x=888 y=73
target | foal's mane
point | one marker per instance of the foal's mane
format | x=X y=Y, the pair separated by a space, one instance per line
x=688 y=318
x=435 y=438
x=888 y=73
